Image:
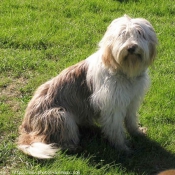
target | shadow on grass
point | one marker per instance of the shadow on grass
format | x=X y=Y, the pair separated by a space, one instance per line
x=148 y=156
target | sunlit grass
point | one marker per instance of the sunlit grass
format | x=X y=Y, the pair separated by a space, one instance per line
x=38 y=39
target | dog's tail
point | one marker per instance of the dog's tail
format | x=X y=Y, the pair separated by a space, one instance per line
x=39 y=150
x=39 y=133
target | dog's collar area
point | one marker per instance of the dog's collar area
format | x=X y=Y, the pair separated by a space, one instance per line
x=121 y=73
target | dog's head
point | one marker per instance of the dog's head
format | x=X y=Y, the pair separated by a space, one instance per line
x=129 y=45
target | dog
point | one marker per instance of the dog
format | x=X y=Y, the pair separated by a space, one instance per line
x=105 y=88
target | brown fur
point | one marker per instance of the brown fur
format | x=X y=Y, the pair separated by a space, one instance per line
x=47 y=118
x=167 y=172
x=109 y=60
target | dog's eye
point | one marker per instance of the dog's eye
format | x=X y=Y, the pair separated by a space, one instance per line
x=122 y=34
x=141 y=34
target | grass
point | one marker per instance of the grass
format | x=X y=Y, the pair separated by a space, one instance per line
x=38 y=39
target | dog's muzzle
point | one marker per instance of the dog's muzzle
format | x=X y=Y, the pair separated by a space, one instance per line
x=132 y=48
x=133 y=51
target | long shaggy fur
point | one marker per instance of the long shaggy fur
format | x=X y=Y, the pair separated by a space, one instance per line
x=106 y=88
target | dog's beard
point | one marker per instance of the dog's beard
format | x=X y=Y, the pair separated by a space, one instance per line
x=132 y=64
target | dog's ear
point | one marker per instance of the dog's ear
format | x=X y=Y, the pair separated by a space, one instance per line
x=108 y=59
x=152 y=52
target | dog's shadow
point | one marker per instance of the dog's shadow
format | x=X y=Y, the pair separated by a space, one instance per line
x=148 y=156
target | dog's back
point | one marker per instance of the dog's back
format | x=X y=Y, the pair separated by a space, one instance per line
x=51 y=115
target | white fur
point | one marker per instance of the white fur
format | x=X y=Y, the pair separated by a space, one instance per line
x=118 y=98
x=39 y=150
x=118 y=93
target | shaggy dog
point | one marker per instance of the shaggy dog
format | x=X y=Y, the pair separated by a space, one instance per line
x=106 y=88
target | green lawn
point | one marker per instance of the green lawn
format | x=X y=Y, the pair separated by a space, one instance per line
x=38 y=39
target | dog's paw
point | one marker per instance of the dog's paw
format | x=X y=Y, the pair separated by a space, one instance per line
x=143 y=130
x=140 y=131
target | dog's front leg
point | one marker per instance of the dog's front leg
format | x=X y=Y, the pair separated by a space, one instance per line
x=131 y=120
x=113 y=129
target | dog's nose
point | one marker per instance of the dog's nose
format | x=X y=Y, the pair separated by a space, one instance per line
x=132 y=48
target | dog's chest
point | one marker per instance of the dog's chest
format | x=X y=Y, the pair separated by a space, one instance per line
x=119 y=91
